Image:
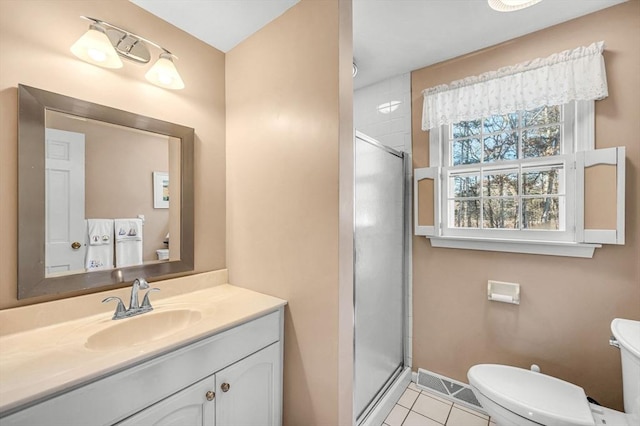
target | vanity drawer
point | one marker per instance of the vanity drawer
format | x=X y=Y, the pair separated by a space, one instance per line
x=115 y=397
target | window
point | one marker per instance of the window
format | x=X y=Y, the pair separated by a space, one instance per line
x=517 y=181
x=507 y=173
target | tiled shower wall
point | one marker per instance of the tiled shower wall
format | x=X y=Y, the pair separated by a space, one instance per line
x=373 y=114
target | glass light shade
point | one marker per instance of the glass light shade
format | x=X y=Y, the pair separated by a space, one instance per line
x=164 y=73
x=511 y=5
x=95 y=48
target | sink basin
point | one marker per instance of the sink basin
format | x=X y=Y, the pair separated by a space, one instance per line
x=142 y=329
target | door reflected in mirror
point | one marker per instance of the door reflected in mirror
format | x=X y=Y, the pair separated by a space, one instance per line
x=97 y=172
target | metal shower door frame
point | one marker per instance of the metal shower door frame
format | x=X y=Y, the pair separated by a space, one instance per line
x=406 y=239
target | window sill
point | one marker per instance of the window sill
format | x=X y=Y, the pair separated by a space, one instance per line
x=549 y=248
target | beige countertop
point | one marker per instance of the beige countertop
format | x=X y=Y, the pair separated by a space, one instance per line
x=47 y=359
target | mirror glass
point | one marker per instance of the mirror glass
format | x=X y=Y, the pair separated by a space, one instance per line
x=95 y=173
x=105 y=196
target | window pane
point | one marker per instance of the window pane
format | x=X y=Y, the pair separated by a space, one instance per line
x=541 y=142
x=503 y=146
x=466 y=151
x=466 y=214
x=500 y=123
x=465 y=186
x=540 y=116
x=541 y=213
x=540 y=182
x=493 y=184
x=500 y=213
x=504 y=184
x=465 y=129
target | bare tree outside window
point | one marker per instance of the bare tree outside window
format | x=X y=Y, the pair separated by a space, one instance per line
x=517 y=197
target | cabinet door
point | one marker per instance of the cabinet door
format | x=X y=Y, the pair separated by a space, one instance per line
x=248 y=393
x=193 y=406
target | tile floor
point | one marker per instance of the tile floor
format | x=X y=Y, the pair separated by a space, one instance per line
x=423 y=408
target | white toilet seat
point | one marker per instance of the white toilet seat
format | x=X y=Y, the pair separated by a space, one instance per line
x=535 y=397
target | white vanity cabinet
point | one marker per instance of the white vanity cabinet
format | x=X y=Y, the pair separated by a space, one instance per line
x=244 y=394
x=194 y=406
x=233 y=378
x=246 y=391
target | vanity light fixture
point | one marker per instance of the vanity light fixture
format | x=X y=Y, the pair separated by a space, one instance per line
x=96 y=48
x=355 y=69
x=104 y=43
x=511 y=5
x=164 y=73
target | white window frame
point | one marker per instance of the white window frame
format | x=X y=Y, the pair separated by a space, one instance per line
x=567 y=148
x=578 y=138
x=567 y=200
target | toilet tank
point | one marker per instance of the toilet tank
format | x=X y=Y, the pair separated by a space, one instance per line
x=627 y=333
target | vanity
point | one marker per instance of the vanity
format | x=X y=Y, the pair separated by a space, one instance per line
x=208 y=354
x=197 y=352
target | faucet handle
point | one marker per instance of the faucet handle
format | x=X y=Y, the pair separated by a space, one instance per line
x=120 y=309
x=146 y=305
x=142 y=283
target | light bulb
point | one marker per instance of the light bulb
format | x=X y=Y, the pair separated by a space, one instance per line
x=165 y=78
x=95 y=48
x=97 y=55
x=164 y=73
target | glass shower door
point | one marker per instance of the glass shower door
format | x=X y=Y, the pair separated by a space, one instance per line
x=379 y=270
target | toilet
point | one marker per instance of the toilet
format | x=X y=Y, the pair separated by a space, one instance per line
x=517 y=397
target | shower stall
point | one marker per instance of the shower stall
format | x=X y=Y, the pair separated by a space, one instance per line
x=380 y=277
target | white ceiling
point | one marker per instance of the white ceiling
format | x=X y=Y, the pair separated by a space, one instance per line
x=221 y=23
x=390 y=37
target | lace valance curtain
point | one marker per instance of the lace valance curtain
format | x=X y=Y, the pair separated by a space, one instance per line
x=577 y=74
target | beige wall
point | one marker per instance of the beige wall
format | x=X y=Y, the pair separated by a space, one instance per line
x=35 y=37
x=562 y=323
x=283 y=142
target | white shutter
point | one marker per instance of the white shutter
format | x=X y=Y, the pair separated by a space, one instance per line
x=433 y=174
x=585 y=159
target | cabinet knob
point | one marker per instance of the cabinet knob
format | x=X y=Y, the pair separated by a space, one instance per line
x=210 y=395
x=225 y=387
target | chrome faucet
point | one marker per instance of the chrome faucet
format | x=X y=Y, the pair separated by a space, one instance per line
x=134 y=307
x=138 y=284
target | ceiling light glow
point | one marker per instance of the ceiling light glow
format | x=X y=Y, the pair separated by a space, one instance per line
x=511 y=5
